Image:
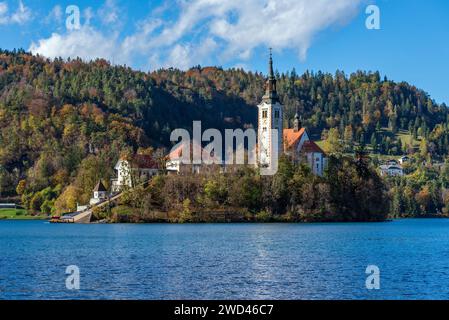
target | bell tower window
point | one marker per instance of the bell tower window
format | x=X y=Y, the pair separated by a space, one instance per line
x=264 y=114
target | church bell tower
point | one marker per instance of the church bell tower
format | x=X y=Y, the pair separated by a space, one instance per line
x=270 y=121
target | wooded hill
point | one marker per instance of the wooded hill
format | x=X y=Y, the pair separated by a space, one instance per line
x=66 y=122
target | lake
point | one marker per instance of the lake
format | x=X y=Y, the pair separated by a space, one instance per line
x=225 y=261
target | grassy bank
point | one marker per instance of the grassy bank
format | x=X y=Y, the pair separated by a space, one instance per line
x=18 y=214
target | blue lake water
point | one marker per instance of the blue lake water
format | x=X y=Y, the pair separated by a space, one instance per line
x=225 y=261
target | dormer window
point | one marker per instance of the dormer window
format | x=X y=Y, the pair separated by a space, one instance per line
x=276 y=114
x=264 y=114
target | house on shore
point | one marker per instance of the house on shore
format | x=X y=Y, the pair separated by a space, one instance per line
x=132 y=170
x=177 y=164
x=100 y=194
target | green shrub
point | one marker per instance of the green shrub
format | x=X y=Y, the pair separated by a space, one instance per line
x=264 y=216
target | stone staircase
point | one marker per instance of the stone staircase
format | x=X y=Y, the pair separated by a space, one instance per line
x=86 y=215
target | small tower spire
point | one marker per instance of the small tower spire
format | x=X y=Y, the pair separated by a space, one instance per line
x=297 y=122
x=270 y=89
x=270 y=65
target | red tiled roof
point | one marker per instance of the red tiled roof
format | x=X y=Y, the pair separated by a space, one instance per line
x=177 y=153
x=310 y=146
x=291 y=137
x=143 y=161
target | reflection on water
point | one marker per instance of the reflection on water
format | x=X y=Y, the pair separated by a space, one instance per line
x=225 y=261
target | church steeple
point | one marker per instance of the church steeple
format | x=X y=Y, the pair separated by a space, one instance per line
x=270 y=66
x=271 y=95
x=270 y=121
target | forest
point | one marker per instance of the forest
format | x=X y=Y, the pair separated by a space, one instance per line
x=351 y=191
x=64 y=124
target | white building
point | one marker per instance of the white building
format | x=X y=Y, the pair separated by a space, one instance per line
x=133 y=170
x=299 y=147
x=176 y=165
x=100 y=194
x=294 y=142
x=391 y=170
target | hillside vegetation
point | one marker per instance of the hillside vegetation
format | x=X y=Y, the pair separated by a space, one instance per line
x=63 y=124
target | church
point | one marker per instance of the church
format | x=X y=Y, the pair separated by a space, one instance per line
x=274 y=140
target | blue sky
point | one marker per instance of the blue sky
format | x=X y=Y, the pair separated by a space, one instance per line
x=412 y=44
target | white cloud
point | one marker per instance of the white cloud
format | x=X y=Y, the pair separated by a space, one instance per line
x=239 y=27
x=139 y=41
x=204 y=31
x=88 y=15
x=240 y=66
x=20 y=16
x=54 y=15
x=184 y=56
x=86 y=43
x=277 y=23
x=3 y=13
x=109 y=12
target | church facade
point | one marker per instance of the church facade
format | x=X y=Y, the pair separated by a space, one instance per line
x=274 y=140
